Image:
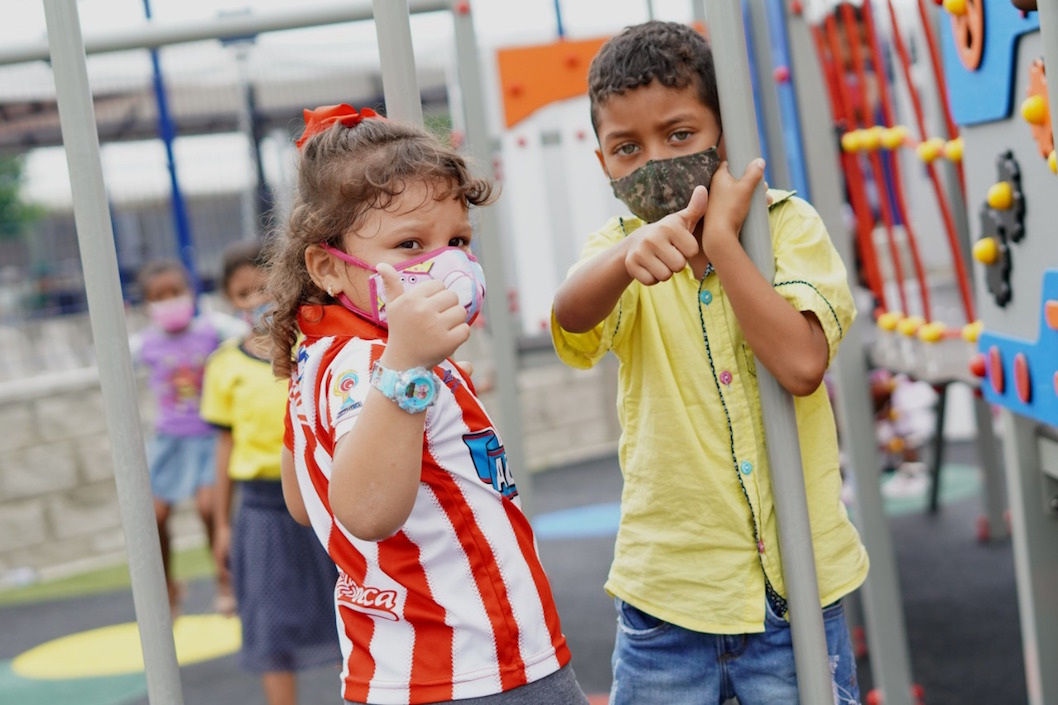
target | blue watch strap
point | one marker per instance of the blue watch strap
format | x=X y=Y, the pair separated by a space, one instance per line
x=413 y=390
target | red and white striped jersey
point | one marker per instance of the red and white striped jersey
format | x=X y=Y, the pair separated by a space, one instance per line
x=456 y=604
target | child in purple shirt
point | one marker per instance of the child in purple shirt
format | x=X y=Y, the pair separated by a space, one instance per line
x=174 y=350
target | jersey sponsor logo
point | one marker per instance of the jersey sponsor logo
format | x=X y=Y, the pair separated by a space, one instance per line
x=490 y=460
x=343 y=389
x=369 y=600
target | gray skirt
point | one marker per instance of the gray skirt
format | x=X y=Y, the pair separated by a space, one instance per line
x=559 y=688
x=284 y=586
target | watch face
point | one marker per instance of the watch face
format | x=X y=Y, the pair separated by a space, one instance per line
x=419 y=392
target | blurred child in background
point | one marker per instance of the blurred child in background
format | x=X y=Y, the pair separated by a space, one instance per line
x=284 y=580
x=174 y=349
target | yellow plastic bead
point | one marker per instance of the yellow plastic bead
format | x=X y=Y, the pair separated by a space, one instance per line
x=852 y=141
x=894 y=137
x=955 y=7
x=1001 y=196
x=953 y=150
x=972 y=331
x=1034 y=110
x=871 y=139
x=910 y=325
x=986 y=251
x=929 y=150
x=1052 y=161
x=889 y=320
x=932 y=332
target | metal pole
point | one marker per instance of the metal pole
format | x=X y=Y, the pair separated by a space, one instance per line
x=185 y=246
x=728 y=37
x=559 y=27
x=397 y=57
x=883 y=610
x=152 y=35
x=99 y=260
x=502 y=326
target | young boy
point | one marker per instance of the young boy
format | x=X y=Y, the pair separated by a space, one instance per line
x=697 y=573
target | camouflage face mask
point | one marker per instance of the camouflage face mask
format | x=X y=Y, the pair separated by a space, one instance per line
x=664 y=186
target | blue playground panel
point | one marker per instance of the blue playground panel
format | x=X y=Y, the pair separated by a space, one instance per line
x=1042 y=358
x=985 y=95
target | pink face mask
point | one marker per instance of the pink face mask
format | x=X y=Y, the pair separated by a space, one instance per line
x=458 y=270
x=172 y=315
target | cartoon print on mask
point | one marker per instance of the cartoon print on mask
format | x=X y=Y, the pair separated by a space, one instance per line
x=458 y=270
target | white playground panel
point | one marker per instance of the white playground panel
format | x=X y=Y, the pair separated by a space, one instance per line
x=555 y=194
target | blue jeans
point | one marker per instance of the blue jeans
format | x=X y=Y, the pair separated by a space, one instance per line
x=657 y=663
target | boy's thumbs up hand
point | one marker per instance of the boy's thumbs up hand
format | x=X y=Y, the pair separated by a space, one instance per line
x=426 y=323
x=659 y=250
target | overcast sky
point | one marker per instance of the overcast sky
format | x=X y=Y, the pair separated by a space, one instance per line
x=24 y=19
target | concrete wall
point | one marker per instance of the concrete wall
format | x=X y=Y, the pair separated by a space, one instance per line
x=58 y=504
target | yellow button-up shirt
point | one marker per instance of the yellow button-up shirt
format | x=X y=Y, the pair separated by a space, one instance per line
x=697 y=488
x=241 y=393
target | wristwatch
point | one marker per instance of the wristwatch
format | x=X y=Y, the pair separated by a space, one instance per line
x=414 y=390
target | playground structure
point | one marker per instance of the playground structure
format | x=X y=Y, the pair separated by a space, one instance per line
x=915 y=334
x=396 y=68
x=995 y=60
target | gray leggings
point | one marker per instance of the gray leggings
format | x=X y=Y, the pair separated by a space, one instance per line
x=559 y=688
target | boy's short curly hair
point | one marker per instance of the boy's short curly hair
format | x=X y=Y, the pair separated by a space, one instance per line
x=671 y=53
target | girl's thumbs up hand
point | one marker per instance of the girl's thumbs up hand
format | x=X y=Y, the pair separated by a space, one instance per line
x=426 y=322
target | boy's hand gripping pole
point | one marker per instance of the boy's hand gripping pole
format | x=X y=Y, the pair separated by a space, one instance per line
x=728 y=38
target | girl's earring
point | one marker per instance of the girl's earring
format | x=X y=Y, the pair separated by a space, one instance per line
x=330 y=291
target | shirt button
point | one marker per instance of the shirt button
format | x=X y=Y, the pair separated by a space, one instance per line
x=706 y=297
x=747 y=467
x=726 y=377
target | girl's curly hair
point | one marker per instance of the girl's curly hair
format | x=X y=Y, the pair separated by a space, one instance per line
x=344 y=173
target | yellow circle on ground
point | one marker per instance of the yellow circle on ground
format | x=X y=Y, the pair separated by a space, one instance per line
x=115 y=650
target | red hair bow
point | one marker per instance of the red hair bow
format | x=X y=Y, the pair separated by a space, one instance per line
x=318 y=120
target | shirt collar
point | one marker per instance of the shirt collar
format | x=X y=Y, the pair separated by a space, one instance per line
x=317 y=321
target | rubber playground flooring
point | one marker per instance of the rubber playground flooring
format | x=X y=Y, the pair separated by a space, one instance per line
x=76 y=640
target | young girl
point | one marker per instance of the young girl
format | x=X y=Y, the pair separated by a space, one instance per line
x=441 y=596
x=284 y=581
x=174 y=349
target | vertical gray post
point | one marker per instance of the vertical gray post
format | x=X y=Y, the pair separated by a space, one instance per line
x=96 y=242
x=883 y=609
x=1034 y=535
x=883 y=612
x=501 y=324
x=728 y=37
x=399 y=82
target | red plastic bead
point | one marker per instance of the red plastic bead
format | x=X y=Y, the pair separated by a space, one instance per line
x=995 y=369
x=1022 y=378
x=796 y=8
x=978 y=366
x=781 y=74
x=462 y=8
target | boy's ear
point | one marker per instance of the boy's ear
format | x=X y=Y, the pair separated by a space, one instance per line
x=602 y=162
x=322 y=268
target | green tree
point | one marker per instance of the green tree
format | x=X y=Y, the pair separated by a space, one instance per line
x=15 y=213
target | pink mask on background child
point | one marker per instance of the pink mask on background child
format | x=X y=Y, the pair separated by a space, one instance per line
x=172 y=315
x=458 y=270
